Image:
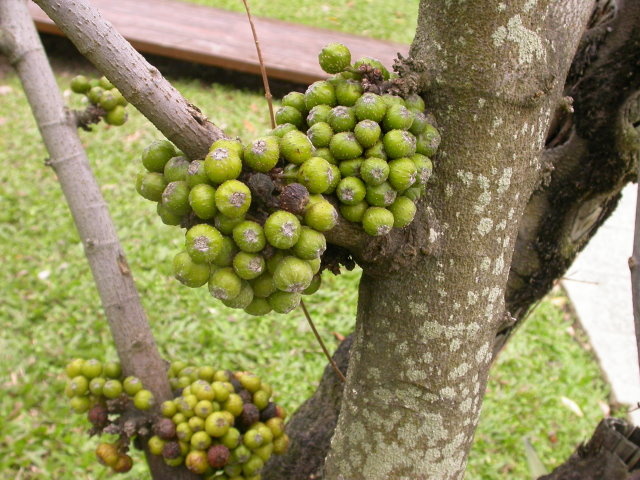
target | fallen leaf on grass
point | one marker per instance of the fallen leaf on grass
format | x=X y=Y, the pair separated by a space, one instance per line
x=571 y=405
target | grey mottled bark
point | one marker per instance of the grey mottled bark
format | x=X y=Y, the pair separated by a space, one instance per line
x=128 y=323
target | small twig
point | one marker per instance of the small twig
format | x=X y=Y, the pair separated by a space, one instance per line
x=324 y=348
x=263 y=70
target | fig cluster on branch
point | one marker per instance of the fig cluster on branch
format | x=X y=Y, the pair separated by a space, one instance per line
x=256 y=214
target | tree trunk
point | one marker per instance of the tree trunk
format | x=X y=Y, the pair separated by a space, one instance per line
x=492 y=82
x=127 y=320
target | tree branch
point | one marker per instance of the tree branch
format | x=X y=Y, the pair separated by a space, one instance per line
x=128 y=323
x=138 y=81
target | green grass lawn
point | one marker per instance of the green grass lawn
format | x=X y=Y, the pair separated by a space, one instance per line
x=50 y=310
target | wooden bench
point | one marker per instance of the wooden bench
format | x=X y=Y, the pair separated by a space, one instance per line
x=221 y=38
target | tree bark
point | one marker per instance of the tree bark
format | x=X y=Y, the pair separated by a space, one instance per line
x=127 y=320
x=494 y=76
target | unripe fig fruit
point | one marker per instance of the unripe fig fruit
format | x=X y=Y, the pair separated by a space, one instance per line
x=334 y=58
x=227 y=252
x=176 y=168
x=92 y=368
x=167 y=216
x=367 y=133
x=313 y=286
x=258 y=307
x=374 y=171
x=351 y=190
x=280 y=130
x=316 y=175
x=263 y=286
x=320 y=93
x=262 y=154
x=321 y=216
x=226 y=224
x=381 y=195
x=282 y=229
x=233 y=198
x=414 y=193
x=95 y=386
x=264 y=452
x=428 y=141
x=131 y=385
x=112 y=388
x=287 y=114
x=80 y=404
x=402 y=173
x=202 y=201
x=399 y=143
x=78 y=386
x=112 y=370
x=319 y=113
x=376 y=151
x=414 y=102
x=231 y=439
x=315 y=265
x=108 y=101
x=354 y=213
x=377 y=221
x=157 y=154
x=203 y=243
x=344 y=146
x=243 y=299
x=370 y=107
x=116 y=116
x=398 y=117
x=94 y=94
x=233 y=405
x=351 y=168
x=224 y=284
x=156 y=444
x=275 y=259
x=419 y=124
x=248 y=265
x=175 y=198
x=390 y=100
x=348 y=92
x=216 y=424
x=320 y=134
x=403 y=210
x=325 y=153
x=295 y=147
x=310 y=245
x=184 y=432
x=253 y=466
x=295 y=100
x=144 y=400
x=284 y=302
x=281 y=444
x=200 y=440
x=80 y=84
x=342 y=119
x=150 y=185
x=105 y=83
x=233 y=145
x=374 y=63
x=335 y=177
x=188 y=272
x=218 y=456
x=222 y=164
x=249 y=236
x=74 y=367
x=424 y=168
x=292 y=275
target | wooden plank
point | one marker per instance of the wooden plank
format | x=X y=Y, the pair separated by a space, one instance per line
x=220 y=38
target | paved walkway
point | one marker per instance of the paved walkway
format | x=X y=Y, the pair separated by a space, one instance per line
x=599 y=287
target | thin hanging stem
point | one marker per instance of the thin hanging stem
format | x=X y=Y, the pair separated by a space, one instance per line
x=263 y=70
x=324 y=348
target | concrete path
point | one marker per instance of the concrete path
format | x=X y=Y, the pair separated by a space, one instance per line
x=599 y=287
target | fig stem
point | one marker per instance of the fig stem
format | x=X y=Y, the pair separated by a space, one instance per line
x=263 y=70
x=324 y=348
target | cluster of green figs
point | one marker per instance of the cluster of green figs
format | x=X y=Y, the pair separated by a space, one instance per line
x=101 y=93
x=220 y=424
x=256 y=214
